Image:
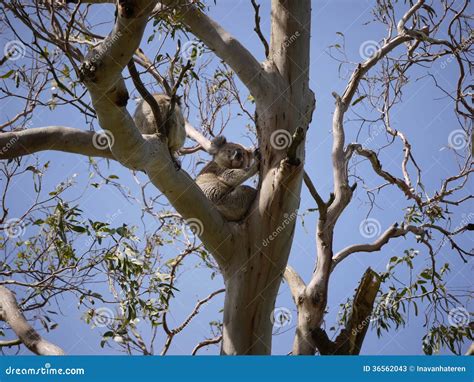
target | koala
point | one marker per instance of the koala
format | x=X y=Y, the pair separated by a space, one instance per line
x=221 y=179
x=145 y=121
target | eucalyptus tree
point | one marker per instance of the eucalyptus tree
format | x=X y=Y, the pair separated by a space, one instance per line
x=252 y=255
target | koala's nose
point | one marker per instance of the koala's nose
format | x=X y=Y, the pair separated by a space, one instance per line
x=237 y=155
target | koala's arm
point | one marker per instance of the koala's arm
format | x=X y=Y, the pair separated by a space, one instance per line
x=237 y=176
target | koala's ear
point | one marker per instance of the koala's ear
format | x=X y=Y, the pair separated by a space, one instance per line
x=216 y=144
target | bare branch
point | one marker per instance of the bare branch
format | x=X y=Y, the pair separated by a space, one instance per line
x=224 y=45
x=314 y=193
x=295 y=282
x=11 y=313
x=377 y=166
x=59 y=138
x=289 y=43
x=196 y=136
x=257 y=29
x=202 y=344
x=350 y=339
x=391 y=233
x=340 y=156
x=196 y=311
x=172 y=332
x=372 y=247
x=10 y=343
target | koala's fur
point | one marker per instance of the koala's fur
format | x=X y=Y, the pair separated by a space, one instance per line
x=221 y=179
x=145 y=121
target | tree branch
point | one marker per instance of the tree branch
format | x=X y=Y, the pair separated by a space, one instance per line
x=59 y=138
x=221 y=42
x=340 y=156
x=257 y=29
x=204 y=343
x=224 y=45
x=350 y=339
x=10 y=313
x=196 y=136
x=102 y=76
x=314 y=193
x=377 y=166
x=383 y=239
x=362 y=307
x=312 y=309
x=391 y=233
x=9 y=343
x=172 y=332
x=148 y=98
x=295 y=282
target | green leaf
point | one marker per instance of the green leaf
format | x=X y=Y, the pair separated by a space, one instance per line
x=359 y=99
x=77 y=228
x=7 y=74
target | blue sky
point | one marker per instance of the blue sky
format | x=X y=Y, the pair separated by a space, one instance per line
x=426 y=117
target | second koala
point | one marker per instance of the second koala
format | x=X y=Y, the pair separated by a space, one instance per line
x=145 y=121
x=221 y=179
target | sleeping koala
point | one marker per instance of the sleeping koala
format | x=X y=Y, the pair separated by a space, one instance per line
x=221 y=179
x=145 y=121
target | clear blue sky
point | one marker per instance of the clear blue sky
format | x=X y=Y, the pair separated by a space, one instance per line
x=425 y=116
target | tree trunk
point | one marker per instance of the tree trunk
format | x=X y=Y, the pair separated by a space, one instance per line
x=248 y=306
x=261 y=244
x=252 y=281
